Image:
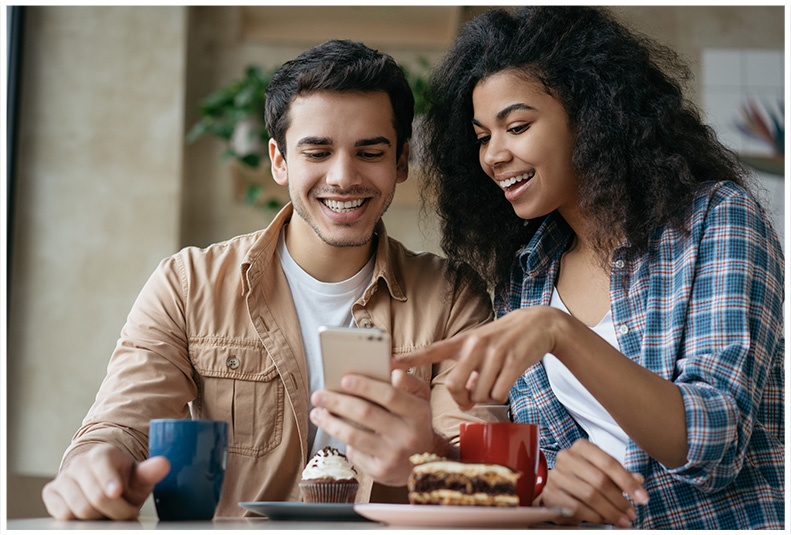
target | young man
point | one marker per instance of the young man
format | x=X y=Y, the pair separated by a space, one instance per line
x=229 y=332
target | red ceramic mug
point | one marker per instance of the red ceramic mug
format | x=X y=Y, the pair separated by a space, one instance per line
x=511 y=444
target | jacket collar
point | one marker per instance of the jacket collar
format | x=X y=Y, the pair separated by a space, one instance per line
x=386 y=268
x=262 y=253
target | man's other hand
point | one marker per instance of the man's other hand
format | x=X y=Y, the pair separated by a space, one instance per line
x=104 y=482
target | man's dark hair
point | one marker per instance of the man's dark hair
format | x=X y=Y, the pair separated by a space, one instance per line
x=339 y=65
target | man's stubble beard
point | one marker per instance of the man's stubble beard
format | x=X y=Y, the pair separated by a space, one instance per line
x=300 y=210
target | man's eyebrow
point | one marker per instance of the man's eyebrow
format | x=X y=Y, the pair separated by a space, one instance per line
x=381 y=140
x=311 y=140
x=502 y=114
x=314 y=141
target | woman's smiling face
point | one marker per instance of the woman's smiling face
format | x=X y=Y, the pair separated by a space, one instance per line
x=526 y=145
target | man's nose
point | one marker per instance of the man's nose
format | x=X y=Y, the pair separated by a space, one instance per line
x=343 y=172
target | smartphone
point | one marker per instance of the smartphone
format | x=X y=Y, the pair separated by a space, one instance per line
x=354 y=350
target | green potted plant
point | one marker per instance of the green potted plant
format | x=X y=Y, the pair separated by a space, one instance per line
x=235 y=114
x=419 y=82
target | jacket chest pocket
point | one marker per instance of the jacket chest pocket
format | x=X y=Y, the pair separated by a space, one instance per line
x=240 y=385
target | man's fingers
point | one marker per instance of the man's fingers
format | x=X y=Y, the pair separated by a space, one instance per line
x=377 y=466
x=361 y=459
x=411 y=384
x=398 y=401
x=367 y=444
x=55 y=504
x=367 y=413
x=346 y=432
x=105 y=464
x=96 y=485
x=100 y=504
x=151 y=471
x=397 y=423
x=144 y=477
x=76 y=500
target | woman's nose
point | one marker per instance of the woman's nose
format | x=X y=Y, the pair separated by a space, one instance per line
x=495 y=152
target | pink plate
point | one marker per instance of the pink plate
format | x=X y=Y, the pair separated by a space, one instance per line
x=455 y=515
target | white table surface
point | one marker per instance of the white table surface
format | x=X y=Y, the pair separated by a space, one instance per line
x=235 y=524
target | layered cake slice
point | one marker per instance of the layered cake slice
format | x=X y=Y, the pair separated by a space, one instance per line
x=439 y=481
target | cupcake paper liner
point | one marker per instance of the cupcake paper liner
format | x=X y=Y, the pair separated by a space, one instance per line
x=328 y=492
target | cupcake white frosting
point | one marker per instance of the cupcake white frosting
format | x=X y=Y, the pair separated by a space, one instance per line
x=329 y=463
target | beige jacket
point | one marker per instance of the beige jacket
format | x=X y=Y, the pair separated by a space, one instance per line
x=214 y=334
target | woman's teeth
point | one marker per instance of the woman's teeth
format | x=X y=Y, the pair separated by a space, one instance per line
x=505 y=184
x=343 y=206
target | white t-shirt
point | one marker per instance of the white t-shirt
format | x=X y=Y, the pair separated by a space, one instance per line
x=583 y=407
x=321 y=303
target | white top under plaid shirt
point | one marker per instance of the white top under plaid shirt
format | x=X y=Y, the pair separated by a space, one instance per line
x=703 y=309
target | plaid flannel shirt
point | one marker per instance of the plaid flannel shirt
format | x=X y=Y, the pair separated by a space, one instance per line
x=702 y=309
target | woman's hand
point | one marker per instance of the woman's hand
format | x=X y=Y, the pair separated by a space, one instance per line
x=592 y=486
x=491 y=357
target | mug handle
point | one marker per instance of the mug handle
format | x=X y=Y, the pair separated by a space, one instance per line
x=541 y=476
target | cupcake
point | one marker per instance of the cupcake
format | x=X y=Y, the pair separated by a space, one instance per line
x=329 y=477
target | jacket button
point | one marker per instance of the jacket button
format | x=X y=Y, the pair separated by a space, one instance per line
x=232 y=362
x=623 y=329
x=365 y=323
x=619 y=264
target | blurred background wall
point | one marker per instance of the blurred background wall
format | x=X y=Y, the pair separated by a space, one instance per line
x=105 y=185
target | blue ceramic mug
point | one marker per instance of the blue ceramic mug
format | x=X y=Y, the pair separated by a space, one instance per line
x=198 y=452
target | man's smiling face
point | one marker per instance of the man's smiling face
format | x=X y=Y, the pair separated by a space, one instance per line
x=340 y=164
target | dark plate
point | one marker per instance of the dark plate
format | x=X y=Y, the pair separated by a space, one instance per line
x=304 y=511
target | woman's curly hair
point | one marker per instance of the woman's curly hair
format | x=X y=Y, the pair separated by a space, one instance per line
x=640 y=150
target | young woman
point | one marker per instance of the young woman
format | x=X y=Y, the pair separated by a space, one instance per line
x=638 y=285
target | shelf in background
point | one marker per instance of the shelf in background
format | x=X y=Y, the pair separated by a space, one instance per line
x=405 y=26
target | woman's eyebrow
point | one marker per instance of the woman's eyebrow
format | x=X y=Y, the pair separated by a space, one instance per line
x=502 y=114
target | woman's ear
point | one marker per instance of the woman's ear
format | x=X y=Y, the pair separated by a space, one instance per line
x=279 y=164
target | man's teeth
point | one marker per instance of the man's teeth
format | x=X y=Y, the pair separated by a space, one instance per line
x=515 y=180
x=343 y=206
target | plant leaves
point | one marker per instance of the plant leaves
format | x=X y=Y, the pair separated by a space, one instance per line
x=198 y=129
x=251 y=160
x=252 y=193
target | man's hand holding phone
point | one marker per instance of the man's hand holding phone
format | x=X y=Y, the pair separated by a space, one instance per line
x=390 y=414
